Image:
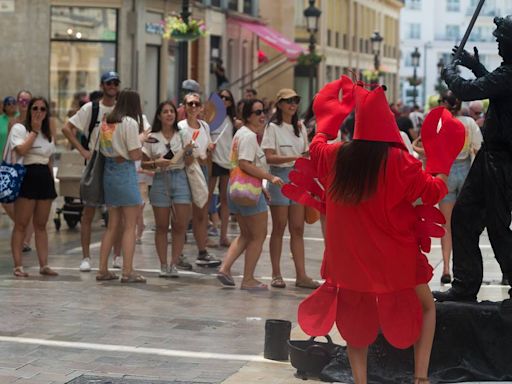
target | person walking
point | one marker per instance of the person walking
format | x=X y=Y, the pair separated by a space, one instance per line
x=165 y=154
x=247 y=154
x=35 y=142
x=284 y=141
x=120 y=143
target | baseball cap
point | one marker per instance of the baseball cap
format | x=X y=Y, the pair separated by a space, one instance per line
x=9 y=100
x=108 y=76
x=285 y=93
x=191 y=85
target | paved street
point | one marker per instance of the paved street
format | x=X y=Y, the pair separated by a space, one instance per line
x=71 y=329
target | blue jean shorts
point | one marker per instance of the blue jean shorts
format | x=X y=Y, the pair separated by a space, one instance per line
x=276 y=196
x=170 y=187
x=243 y=210
x=458 y=173
x=120 y=184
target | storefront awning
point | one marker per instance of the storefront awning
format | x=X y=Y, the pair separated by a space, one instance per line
x=273 y=38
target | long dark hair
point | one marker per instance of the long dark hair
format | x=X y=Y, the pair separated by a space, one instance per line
x=277 y=118
x=157 y=123
x=127 y=104
x=357 y=170
x=45 y=125
x=231 y=110
x=247 y=109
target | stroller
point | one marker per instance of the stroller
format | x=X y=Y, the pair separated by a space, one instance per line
x=69 y=175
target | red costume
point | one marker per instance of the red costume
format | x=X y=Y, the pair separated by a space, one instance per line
x=372 y=259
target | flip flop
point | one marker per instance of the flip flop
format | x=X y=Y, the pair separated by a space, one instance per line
x=257 y=288
x=278 y=282
x=47 y=271
x=106 y=276
x=225 y=279
x=307 y=283
x=133 y=278
x=19 y=272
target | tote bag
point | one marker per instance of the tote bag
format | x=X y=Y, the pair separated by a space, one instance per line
x=11 y=175
x=91 y=183
x=196 y=181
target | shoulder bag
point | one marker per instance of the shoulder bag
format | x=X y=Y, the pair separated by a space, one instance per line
x=91 y=183
x=11 y=175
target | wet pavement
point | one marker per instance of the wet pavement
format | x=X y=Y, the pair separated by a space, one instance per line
x=72 y=329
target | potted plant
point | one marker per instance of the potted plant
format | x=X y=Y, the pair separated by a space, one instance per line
x=175 y=28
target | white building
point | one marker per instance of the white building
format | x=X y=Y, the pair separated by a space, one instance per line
x=434 y=27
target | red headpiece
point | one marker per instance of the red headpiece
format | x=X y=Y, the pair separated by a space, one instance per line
x=374 y=119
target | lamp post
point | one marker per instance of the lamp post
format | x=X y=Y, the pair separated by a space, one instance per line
x=440 y=66
x=415 y=56
x=312 y=15
x=183 y=47
x=376 y=40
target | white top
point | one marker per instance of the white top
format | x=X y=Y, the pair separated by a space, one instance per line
x=118 y=139
x=41 y=150
x=407 y=142
x=81 y=119
x=223 y=137
x=245 y=147
x=473 y=140
x=156 y=146
x=282 y=139
x=203 y=139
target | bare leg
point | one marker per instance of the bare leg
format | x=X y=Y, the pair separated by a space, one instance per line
x=446 y=240
x=107 y=241
x=358 y=363
x=200 y=226
x=224 y=209
x=296 y=228
x=23 y=211
x=279 y=221
x=162 y=217
x=85 y=230
x=40 y=219
x=118 y=238
x=423 y=346
x=257 y=225
x=129 y=215
x=236 y=248
x=179 y=228
x=29 y=233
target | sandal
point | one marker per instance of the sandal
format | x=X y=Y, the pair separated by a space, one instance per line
x=19 y=272
x=255 y=288
x=278 y=282
x=133 y=278
x=47 y=271
x=225 y=279
x=419 y=380
x=225 y=243
x=308 y=283
x=106 y=276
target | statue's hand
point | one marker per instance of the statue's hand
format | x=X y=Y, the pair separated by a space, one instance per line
x=467 y=59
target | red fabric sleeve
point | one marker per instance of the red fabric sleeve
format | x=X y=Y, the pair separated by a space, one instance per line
x=323 y=154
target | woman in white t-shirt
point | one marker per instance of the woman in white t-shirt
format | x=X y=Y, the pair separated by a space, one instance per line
x=120 y=142
x=285 y=140
x=247 y=154
x=166 y=151
x=35 y=142
x=221 y=164
x=200 y=132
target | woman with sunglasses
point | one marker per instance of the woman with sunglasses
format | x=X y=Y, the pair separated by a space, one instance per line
x=165 y=155
x=285 y=140
x=120 y=142
x=34 y=142
x=222 y=138
x=23 y=98
x=247 y=154
x=200 y=131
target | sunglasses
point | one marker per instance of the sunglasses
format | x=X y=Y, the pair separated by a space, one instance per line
x=113 y=82
x=227 y=98
x=24 y=101
x=36 y=108
x=258 y=112
x=194 y=104
x=292 y=100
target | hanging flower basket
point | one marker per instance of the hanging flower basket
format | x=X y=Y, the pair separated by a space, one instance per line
x=371 y=75
x=176 y=29
x=308 y=59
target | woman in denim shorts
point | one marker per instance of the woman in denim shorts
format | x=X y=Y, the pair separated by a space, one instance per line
x=457 y=176
x=164 y=154
x=285 y=140
x=247 y=154
x=120 y=142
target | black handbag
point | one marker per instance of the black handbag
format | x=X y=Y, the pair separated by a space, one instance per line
x=91 y=183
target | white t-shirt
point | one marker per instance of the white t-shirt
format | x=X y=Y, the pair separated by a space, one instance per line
x=282 y=139
x=41 y=150
x=245 y=147
x=473 y=139
x=82 y=119
x=203 y=139
x=223 y=136
x=117 y=139
x=156 y=146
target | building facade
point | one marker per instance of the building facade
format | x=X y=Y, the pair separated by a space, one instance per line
x=434 y=27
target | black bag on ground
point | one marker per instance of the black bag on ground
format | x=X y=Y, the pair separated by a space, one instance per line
x=309 y=357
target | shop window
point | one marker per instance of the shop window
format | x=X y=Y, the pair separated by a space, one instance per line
x=233 y=5
x=83 y=46
x=248 y=7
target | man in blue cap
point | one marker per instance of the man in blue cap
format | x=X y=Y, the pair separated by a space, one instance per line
x=7 y=119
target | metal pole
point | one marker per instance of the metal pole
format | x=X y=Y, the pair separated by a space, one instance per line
x=183 y=48
x=312 y=65
x=415 y=79
x=468 y=31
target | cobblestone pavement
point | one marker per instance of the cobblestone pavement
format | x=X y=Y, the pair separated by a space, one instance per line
x=71 y=329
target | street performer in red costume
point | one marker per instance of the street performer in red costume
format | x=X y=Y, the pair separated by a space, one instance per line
x=375 y=272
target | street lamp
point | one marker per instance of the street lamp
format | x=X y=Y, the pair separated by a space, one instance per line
x=312 y=15
x=183 y=47
x=415 y=56
x=440 y=66
x=376 y=40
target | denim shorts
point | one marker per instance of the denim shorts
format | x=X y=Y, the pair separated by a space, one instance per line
x=170 y=187
x=458 y=173
x=276 y=196
x=120 y=184
x=243 y=210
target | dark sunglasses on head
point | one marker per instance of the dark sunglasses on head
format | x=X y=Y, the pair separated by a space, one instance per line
x=258 y=112
x=194 y=103
x=292 y=100
x=227 y=98
x=35 y=108
x=113 y=82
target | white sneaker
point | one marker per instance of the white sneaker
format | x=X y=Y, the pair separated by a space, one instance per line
x=117 y=263
x=173 y=271
x=85 y=265
x=164 y=271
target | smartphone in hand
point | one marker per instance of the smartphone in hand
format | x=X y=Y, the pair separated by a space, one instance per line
x=169 y=155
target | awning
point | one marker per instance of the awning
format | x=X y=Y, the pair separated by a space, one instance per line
x=273 y=38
